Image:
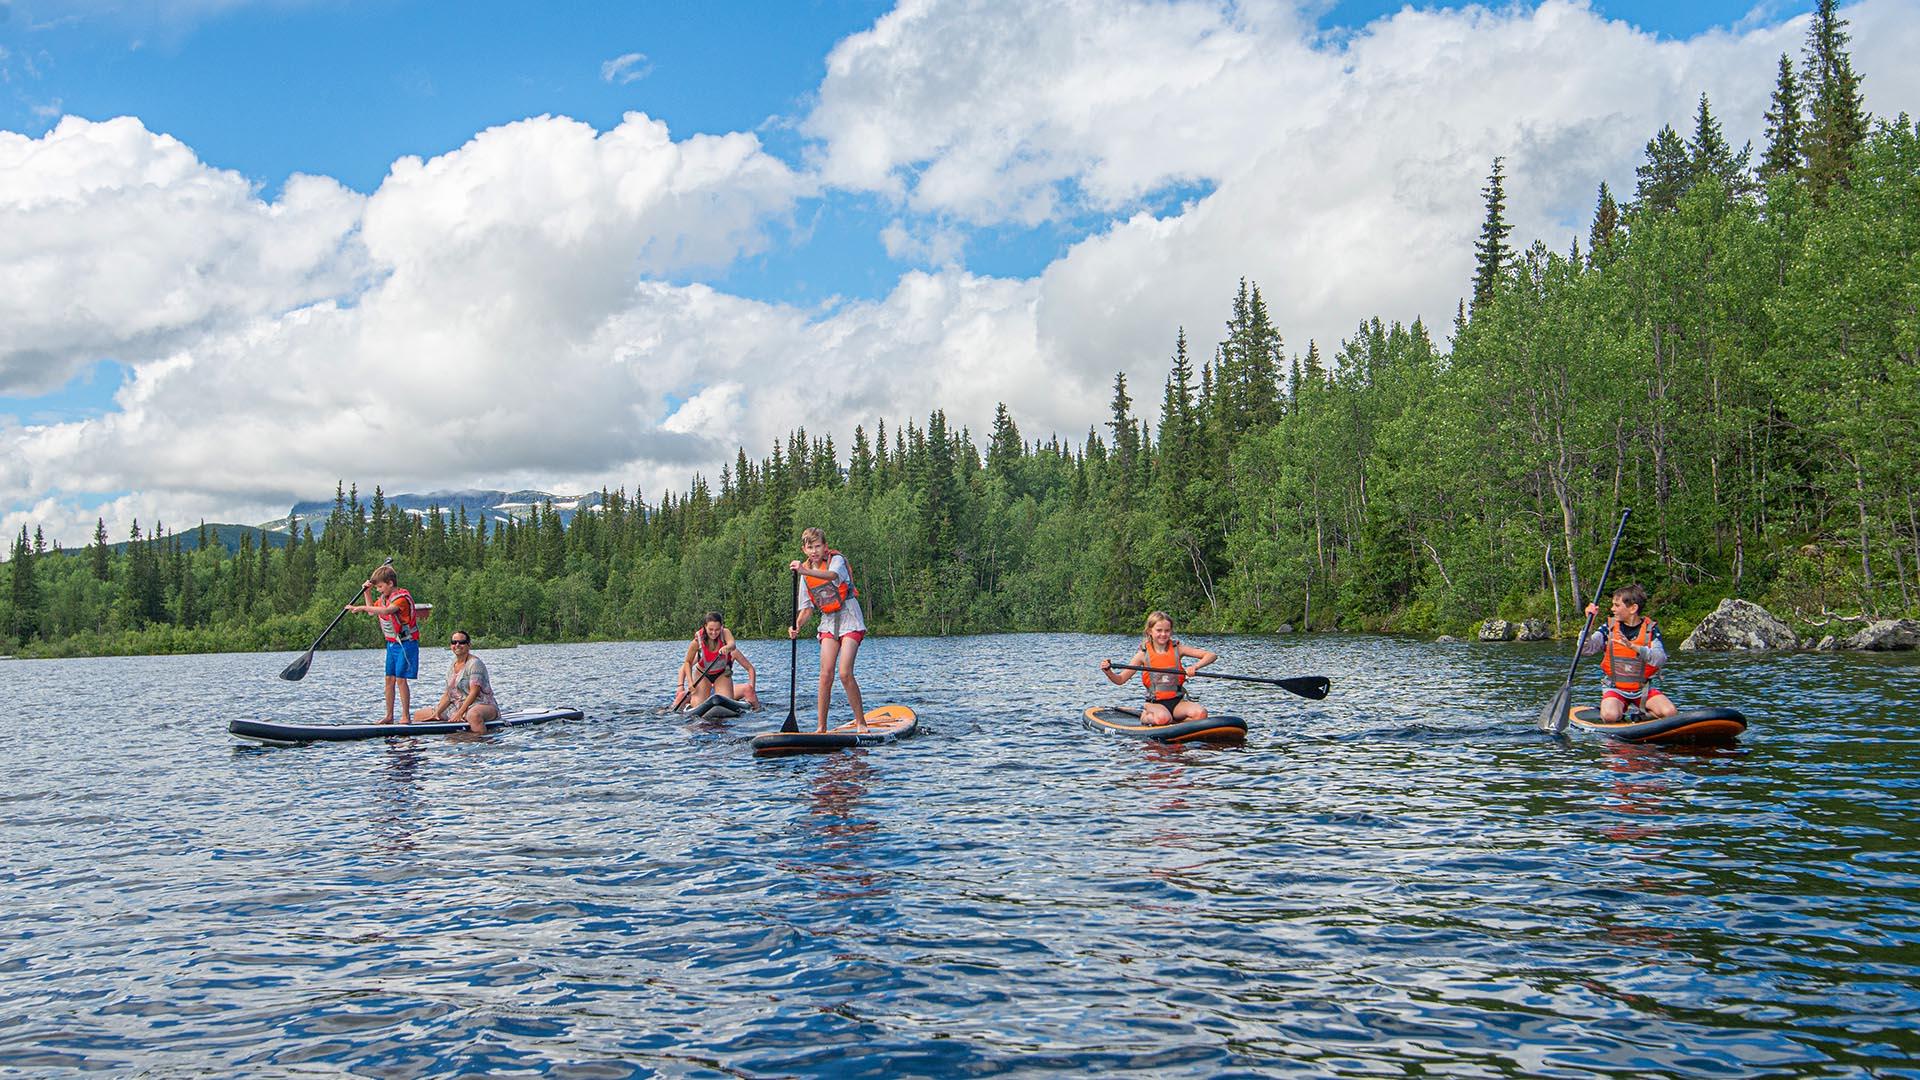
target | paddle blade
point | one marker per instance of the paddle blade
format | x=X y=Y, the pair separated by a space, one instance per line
x=1553 y=718
x=298 y=669
x=1312 y=687
x=790 y=726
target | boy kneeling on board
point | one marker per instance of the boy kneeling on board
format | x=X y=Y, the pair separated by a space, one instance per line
x=1631 y=654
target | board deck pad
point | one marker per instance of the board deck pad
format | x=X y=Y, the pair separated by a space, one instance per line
x=719 y=707
x=1125 y=723
x=888 y=723
x=275 y=733
x=1686 y=727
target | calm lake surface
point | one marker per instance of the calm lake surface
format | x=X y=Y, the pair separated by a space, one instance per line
x=1374 y=884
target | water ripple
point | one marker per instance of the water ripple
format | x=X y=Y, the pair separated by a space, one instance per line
x=1373 y=884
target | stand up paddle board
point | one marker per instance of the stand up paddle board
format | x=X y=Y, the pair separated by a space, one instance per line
x=1695 y=726
x=274 y=733
x=885 y=724
x=719 y=707
x=1126 y=723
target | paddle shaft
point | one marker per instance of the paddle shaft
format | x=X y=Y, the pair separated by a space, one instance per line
x=699 y=673
x=1599 y=590
x=793 y=657
x=1313 y=686
x=298 y=669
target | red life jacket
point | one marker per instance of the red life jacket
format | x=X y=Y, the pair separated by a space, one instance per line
x=1626 y=672
x=1163 y=686
x=715 y=664
x=402 y=625
x=827 y=594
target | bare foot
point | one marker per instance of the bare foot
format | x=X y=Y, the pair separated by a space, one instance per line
x=388 y=720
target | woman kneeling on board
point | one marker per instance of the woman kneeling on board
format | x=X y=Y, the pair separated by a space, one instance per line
x=469 y=696
x=1167 y=700
x=708 y=667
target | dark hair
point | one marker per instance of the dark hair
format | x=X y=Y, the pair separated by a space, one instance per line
x=712 y=617
x=463 y=634
x=1634 y=594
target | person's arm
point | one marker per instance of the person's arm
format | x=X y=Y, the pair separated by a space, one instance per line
x=1117 y=678
x=686 y=673
x=745 y=663
x=1201 y=657
x=1654 y=651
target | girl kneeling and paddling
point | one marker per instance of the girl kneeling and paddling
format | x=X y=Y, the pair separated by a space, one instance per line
x=469 y=696
x=1167 y=700
x=826 y=586
x=708 y=667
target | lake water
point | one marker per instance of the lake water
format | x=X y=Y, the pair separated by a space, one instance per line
x=1405 y=877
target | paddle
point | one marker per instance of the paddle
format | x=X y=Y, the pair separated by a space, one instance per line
x=793 y=660
x=1554 y=717
x=298 y=669
x=1307 y=686
x=698 y=674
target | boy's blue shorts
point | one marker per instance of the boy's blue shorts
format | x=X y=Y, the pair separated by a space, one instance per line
x=403 y=659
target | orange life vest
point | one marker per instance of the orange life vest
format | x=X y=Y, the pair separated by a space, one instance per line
x=1163 y=685
x=402 y=625
x=1626 y=672
x=828 y=595
x=715 y=664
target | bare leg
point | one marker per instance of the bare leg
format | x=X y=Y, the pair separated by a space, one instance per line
x=1612 y=709
x=1659 y=706
x=406 y=698
x=850 y=648
x=723 y=686
x=829 y=652
x=389 y=719
x=1189 y=710
x=478 y=716
x=1154 y=714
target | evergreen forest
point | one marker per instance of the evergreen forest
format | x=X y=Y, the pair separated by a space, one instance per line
x=1733 y=350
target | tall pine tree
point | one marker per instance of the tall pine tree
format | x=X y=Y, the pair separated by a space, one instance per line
x=1491 y=253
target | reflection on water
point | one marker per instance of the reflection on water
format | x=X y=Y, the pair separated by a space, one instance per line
x=1372 y=885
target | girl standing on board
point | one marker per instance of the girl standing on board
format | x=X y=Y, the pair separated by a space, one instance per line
x=469 y=697
x=713 y=652
x=826 y=587
x=1167 y=700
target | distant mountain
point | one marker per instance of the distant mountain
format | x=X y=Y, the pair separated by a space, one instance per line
x=495 y=506
x=226 y=536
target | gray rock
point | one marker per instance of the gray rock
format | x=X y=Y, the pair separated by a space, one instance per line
x=1739 y=625
x=1533 y=630
x=1444 y=639
x=1828 y=643
x=1886 y=635
x=1284 y=628
x=1496 y=630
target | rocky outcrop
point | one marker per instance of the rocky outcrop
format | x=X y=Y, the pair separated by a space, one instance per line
x=1885 y=635
x=1284 y=628
x=1828 y=643
x=1496 y=630
x=1445 y=639
x=1532 y=630
x=1740 y=625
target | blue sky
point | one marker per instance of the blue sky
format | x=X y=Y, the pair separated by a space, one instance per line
x=988 y=221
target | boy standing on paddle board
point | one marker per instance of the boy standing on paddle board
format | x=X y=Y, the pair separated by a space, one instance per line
x=400 y=625
x=826 y=587
x=1166 y=682
x=1631 y=654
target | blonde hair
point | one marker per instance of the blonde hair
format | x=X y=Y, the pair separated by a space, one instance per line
x=384 y=573
x=812 y=533
x=1146 y=632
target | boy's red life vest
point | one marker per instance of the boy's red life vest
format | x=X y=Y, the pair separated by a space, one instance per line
x=402 y=625
x=715 y=664
x=1626 y=672
x=828 y=595
x=1163 y=685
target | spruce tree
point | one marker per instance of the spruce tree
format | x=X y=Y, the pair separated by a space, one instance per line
x=1606 y=225
x=1783 y=126
x=1709 y=155
x=1491 y=253
x=1665 y=176
x=1838 y=121
x=97 y=552
x=26 y=590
